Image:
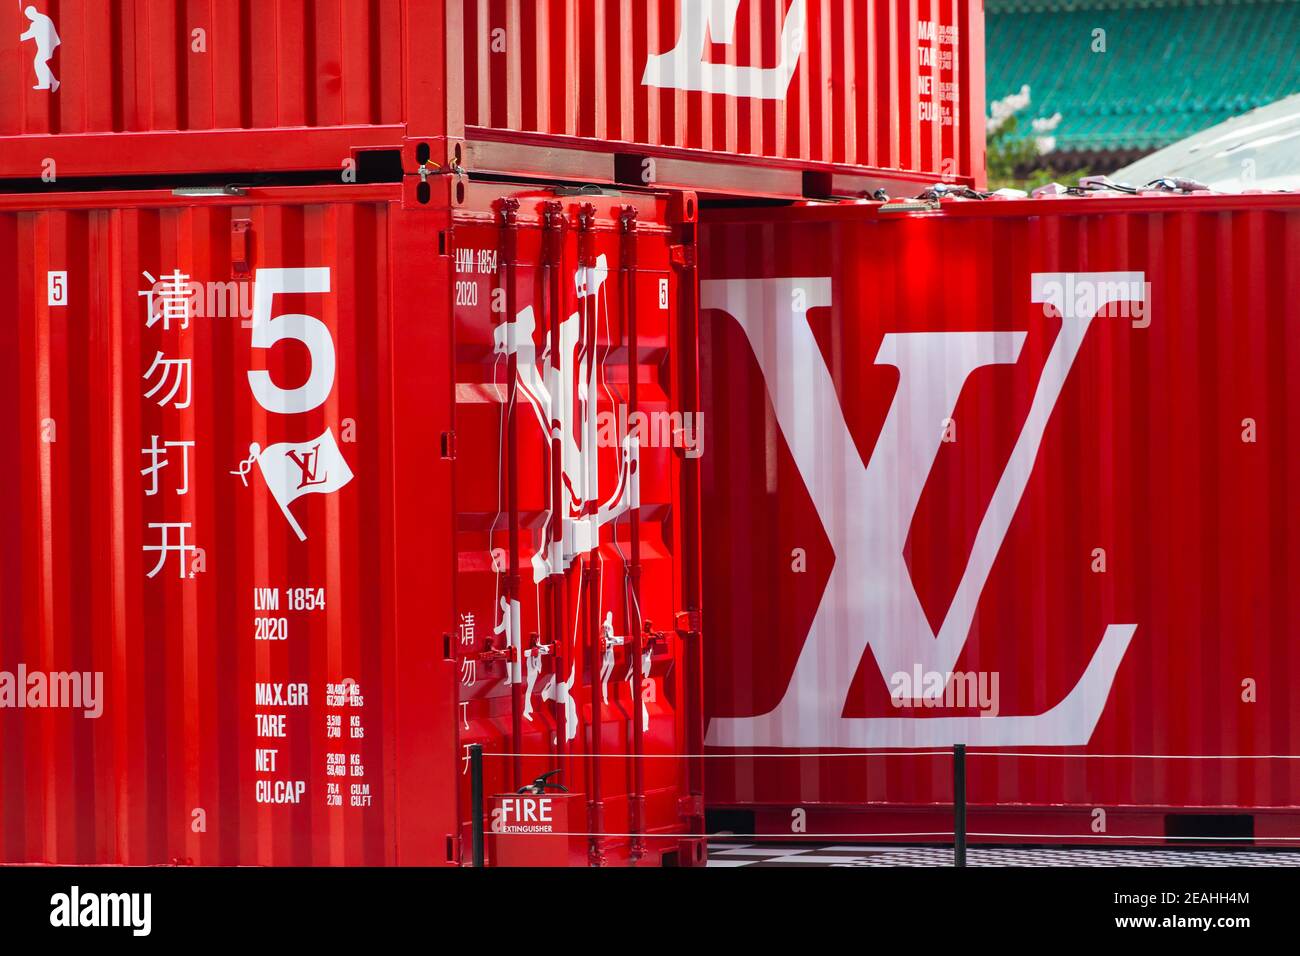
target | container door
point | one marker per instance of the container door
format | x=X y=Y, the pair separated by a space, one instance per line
x=1016 y=475
x=571 y=443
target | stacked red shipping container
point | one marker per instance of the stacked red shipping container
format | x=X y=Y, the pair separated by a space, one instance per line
x=761 y=97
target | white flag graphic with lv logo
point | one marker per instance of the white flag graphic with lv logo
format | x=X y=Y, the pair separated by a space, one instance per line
x=294 y=469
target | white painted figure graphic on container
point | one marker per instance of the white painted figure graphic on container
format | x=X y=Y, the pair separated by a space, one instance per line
x=607 y=662
x=533 y=661
x=556 y=385
x=47 y=39
x=560 y=691
x=562 y=383
x=508 y=624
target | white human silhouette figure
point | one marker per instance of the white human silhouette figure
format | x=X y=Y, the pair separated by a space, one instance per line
x=47 y=38
x=533 y=659
x=508 y=624
x=560 y=691
x=607 y=662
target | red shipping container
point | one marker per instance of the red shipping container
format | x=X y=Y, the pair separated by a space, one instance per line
x=251 y=447
x=226 y=86
x=1013 y=474
x=794 y=97
x=836 y=97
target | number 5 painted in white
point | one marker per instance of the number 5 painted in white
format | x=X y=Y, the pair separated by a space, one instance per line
x=310 y=331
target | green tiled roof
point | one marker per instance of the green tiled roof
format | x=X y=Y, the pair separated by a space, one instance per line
x=1170 y=67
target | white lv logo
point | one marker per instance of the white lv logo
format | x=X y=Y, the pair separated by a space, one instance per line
x=684 y=68
x=869 y=599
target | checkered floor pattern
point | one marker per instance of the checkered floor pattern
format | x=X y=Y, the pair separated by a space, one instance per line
x=731 y=854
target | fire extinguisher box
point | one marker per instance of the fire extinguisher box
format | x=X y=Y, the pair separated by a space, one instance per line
x=529 y=829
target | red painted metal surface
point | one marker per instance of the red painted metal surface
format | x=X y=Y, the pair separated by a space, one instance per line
x=935 y=450
x=801 y=84
x=545 y=404
x=856 y=94
x=287 y=693
x=147 y=87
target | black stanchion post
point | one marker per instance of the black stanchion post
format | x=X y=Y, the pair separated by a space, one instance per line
x=476 y=799
x=959 y=804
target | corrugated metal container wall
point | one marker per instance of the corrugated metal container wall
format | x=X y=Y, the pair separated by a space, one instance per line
x=593 y=600
x=879 y=85
x=233 y=501
x=153 y=545
x=591 y=90
x=1048 y=447
x=303 y=82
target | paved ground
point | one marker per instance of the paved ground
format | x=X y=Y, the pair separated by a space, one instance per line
x=804 y=855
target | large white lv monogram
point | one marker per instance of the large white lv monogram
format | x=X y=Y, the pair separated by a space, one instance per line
x=869 y=599
x=683 y=67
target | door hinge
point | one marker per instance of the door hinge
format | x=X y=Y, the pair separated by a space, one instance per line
x=687 y=622
x=449 y=445
x=683 y=257
x=241 y=251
